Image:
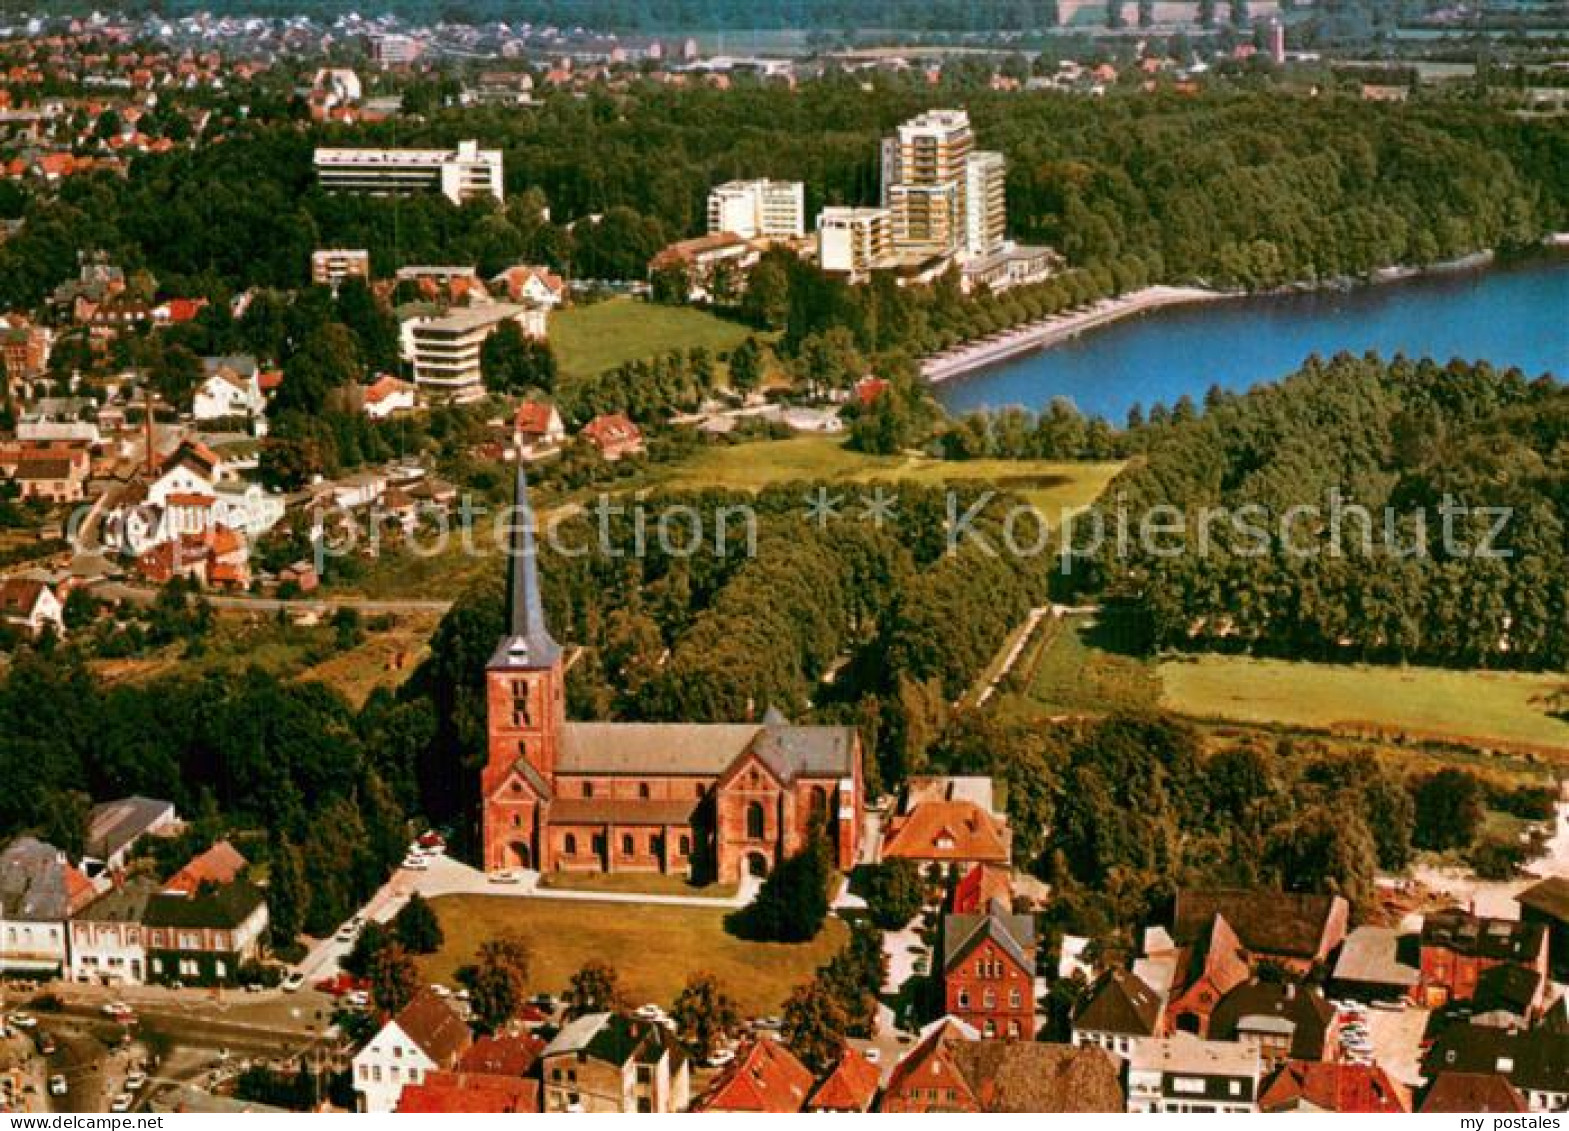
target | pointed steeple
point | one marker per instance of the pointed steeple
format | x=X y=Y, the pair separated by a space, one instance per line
x=528 y=643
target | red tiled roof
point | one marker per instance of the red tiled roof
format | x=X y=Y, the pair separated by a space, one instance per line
x=503 y=1055
x=850 y=1086
x=1466 y=1092
x=220 y=864
x=1345 y=1088
x=384 y=387
x=432 y=1024
x=611 y=429
x=948 y=830
x=463 y=1093
x=765 y=1077
x=974 y=893
x=533 y=418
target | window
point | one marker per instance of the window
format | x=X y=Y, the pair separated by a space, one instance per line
x=642 y=790
x=989 y=998
x=1013 y=999
x=588 y=789
x=686 y=845
x=697 y=790
x=964 y=999
x=755 y=821
x=569 y=844
x=627 y=847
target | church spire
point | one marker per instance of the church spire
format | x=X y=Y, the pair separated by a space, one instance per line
x=528 y=643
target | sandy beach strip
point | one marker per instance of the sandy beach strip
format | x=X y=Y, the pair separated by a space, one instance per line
x=1049 y=331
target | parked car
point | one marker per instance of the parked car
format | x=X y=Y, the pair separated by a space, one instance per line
x=416 y=864
x=721 y=1058
x=58 y=1085
x=293 y=982
x=136 y=1081
x=24 y=1020
x=122 y=1103
x=505 y=878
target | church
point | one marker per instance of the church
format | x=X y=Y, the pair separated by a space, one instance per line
x=706 y=801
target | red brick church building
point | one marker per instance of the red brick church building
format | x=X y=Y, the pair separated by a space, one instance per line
x=706 y=800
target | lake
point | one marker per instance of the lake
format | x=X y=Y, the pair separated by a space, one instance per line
x=1515 y=315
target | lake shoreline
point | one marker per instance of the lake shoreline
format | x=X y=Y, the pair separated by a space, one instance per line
x=974 y=358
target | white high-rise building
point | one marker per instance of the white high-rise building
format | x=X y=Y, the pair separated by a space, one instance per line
x=927 y=189
x=986 y=203
x=853 y=241
x=462 y=174
x=446 y=350
x=753 y=209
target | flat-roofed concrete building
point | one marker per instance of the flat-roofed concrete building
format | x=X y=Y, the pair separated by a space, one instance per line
x=446 y=350
x=927 y=187
x=986 y=203
x=331 y=265
x=462 y=174
x=758 y=209
x=853 y=241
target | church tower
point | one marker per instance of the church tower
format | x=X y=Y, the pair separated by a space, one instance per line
x=525 y=699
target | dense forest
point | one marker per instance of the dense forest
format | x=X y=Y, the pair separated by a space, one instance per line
x=1414 y=471
x=1228 y=188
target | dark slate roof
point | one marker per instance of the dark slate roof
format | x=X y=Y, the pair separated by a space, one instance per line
x=703 y=749
x=1122 y=1003
x=1504 y=940
x=528 y=644
x=219 y=909
x=1536 y=1060
x=126 y=904
x=1014 y=933
x=613 y=1038
x=1465 y=1093
x=1269 y=922
x=1550 y=897
x=1506 y=987
x=1027 y=1076
x=1272 y=1007
x=114 y=825
x=35 y=885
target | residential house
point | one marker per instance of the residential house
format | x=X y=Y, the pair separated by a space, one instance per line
x=207 y=937
x=466 y=1093
x=714 y=265
x=1203 y=972
x=108 y=937
x=609 y=1062
x=1458 y=948
x=537 y=429
x=330 y=266
x=1295 y=931
x=1467 y=1093
x=988 y=971
x=950 y=1070
x=427 y=1036
x=613 y=436
x=851 y=1085
x=978 y=888
x=220 y=865
x=1348 y=1089
x=231 y=389
x=948 y=825
x=24 y=351
x=39 y=893
x=1119 y=1011
x=1534 y=1061
x=536 y=286
x=764 y=1077
x=1186 y=1074
x=31 y=606
x=51 y=480
x=1282 y=1020
x=116 y=827
x=1377 y=964
x=1547 y=904
x=502 y=1054
x=387 y=396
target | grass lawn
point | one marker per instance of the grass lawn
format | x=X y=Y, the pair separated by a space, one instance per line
x=1050 y=486
x=1082 y=665
x=591 y=339
x=653 y=948
x=1503 y=708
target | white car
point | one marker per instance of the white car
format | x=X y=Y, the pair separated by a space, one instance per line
x=440 y=990
x=721 y=1058
x=416 y=864
x=505 y=878
x=293 y=982
x=136 y=1081
x=873 y=1054
x=650 y=1011
x=58 y=1086
x=346 y=933
x=358 y=999
x=122 y=1103
x=24 y=1020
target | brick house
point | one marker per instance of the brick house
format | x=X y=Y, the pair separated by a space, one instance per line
x=1292 y=930
x=951 y=1071
x=205 y=939
x=1349 y=1089
x=608 y=1062
x=1282 y=1020
x=764 y=1077
x=1458 y=950
x=671 y=798
x=947 y=834
x=851 y=1085
x=1204 y=972
x=614 y=436
x=989 y=971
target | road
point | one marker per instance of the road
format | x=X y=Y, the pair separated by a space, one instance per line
x=137 y=595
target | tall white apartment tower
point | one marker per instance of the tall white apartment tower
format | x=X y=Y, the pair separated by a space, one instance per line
x=928 y=192
x=986 y=203
x=753 y=209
